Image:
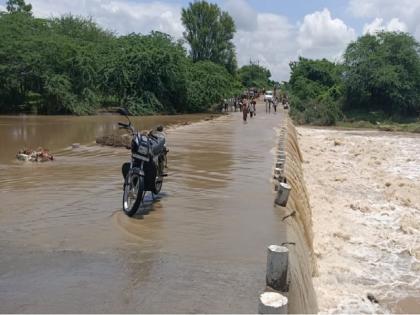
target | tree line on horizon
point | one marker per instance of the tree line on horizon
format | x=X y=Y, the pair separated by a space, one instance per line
x=70 y=65
x=377 y=80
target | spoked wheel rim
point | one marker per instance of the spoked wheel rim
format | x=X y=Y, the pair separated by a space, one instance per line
x=159 y=178
x=131 y=193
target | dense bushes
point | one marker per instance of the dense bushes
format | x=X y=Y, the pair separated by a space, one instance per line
x=315 y=89
x=325 y=112
x=146 y=73
x=380 y=74
x=208 y=83
x=44 y=70
x=69 y=65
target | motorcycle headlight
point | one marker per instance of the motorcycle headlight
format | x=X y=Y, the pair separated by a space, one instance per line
x=143 y=150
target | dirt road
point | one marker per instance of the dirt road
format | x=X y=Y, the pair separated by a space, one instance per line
x=365 y=196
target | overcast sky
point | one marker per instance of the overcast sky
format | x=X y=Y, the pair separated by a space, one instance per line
x=272 y=32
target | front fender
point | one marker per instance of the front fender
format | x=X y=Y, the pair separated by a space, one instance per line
x=134 y=170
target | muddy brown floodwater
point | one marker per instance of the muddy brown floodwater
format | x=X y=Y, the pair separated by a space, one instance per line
x=67 y=247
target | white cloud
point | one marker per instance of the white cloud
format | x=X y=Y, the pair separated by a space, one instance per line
x=396 y=25
x=401 y=15
x=244 y=15
x=384 y=8
x=374 y=26
x=322 y=36
x=122 y=16
x=272 y=44
x=275 y=41
x=377 y=25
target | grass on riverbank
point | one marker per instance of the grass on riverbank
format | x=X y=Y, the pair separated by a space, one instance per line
x=370 y=120
x=379 y=120
x=383 y=126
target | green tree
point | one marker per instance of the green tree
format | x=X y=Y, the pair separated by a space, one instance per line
x=322 y=71
x=383 y=73
x=210 y=31
x=208 y=84
x=20 y=6
x=254 y=75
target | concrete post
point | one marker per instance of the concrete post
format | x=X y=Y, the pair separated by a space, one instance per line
x=277 y=265
x=272 y=303
x=281 y=160
x=283 y=194
x=278 y=171
x=279 y=157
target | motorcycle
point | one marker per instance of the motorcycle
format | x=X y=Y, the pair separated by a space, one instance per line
x=146 y=170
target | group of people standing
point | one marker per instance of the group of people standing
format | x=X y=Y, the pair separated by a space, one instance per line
x=231 y=104
x=247 y=105
x=273 y=102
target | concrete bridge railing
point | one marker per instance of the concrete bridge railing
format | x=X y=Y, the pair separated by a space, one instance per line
x=291 y=266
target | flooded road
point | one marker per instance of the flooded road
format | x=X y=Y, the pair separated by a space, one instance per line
x=67 y=247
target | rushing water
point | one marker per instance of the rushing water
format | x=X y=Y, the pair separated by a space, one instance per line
x=364 y=187
x=67 y=247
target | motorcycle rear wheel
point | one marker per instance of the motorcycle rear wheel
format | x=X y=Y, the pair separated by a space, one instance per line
x=133 y=194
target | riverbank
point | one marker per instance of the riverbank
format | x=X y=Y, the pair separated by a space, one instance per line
x=413 y=127
x=363 y=187
x=382 y=126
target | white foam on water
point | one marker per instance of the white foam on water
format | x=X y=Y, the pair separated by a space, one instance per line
x=366 y=212
x=406 y=162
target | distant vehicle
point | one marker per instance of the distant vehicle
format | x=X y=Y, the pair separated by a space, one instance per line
x=268 y=96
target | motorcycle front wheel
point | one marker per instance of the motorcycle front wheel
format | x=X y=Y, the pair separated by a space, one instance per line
x=158 y=185
x=133 y=194
x=159 y=176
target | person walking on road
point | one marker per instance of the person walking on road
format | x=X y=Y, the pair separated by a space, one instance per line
x=245 y=109
x=270 y=102
x=251 y=109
